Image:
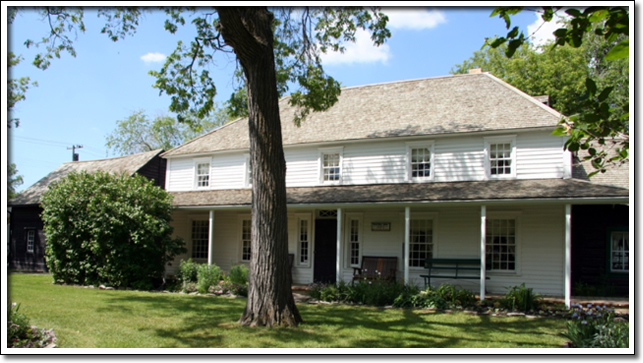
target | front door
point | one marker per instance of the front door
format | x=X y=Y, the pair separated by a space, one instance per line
x=325 y=250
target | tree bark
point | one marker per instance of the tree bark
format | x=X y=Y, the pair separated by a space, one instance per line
x=270 y=301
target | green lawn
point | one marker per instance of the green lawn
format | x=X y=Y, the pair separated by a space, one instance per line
x=92 y=318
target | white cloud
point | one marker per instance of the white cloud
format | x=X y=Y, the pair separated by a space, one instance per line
x=362 y=51
x=541 y=32
x=153 y=57
x=414 y=18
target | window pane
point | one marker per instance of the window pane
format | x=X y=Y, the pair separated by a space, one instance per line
x=330 y=166
x=200 y=239
x=501 y=243
x=421 y=241
x=500 y=159
x=420 y=163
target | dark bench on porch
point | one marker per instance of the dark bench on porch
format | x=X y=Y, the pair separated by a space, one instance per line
x=451 y=268
x=376 y=268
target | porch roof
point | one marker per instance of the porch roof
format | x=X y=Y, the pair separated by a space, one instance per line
x=570 y=190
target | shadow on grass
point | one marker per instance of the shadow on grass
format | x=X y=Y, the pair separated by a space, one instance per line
x=206 y=321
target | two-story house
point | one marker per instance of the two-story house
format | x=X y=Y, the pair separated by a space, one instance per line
x=26 y=238
x=460 y=166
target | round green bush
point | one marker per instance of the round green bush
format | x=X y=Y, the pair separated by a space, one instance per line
x=108 y=229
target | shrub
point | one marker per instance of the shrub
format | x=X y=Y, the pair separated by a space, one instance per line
x=594 y=327
x=103 y=228
x=21 y=335
x=239 y=274
x=520 y=298
x=187 y=271
x=207 y=276
x=455 y=297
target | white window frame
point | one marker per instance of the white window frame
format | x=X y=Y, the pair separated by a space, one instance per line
x=506 y=215
x=433 y=217
x=320 y=163
x=31 y=240
x=198 y=162
x=350 y=217
x=241 y=240
x=310 y=235
x=624 y=251
x=207 y=238
x=506 y=139
x=247 y=179
x=409 y=160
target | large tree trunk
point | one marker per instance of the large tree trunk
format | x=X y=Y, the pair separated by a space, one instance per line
x=270 y=300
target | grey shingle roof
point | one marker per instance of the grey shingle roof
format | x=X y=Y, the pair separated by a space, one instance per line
x=441 y=105
x=616 y=175
x=496 y=190
x=125 y=164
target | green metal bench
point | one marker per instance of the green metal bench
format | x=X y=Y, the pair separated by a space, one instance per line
x=451 y=268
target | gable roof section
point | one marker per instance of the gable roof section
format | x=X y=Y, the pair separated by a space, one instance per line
x=431 y=106
x=128 y=165
x=452 y=192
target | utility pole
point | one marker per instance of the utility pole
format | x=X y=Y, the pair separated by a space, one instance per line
x=74 y=156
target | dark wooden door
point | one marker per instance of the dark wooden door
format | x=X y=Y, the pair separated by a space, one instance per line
x=325 y=250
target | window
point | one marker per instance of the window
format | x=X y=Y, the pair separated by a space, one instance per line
x=248 y=172
x=246 y=240
x=354 y=239
x=500 y=157
x=331 y=165
x=202 y=175
x=304 y=241
x=620 y=251
x=31 y=240
x=200 y=239
x=421 y=242
x=500 y=240
x=419 y=160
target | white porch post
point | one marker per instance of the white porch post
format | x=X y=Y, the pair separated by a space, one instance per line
x=407 y=240
x=339 y=246
x=210 y=236
x=568 y=255
x=483 y=251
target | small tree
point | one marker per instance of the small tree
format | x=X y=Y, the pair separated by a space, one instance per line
x=103 y=228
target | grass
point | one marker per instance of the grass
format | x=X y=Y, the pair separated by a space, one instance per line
x=92 y=318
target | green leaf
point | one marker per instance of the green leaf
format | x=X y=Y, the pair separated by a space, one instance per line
x=591 y=86
x=606 y=92
x=619 y=51
x=559 y=131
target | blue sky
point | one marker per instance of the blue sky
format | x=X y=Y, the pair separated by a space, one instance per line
x=79 y=100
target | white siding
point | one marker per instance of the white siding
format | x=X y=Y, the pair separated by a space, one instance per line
x=459 y=159
x=228 y=171
x=302 y=166
x=539 y=156
x=180 y=174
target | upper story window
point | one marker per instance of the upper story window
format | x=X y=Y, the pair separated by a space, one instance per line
x=248 y=172
x=419 y=161
x=500 y=156
x=331 y=165
x=202 y=173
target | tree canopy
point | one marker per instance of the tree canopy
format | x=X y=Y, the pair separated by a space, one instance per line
x=276 y=49
x=137 y=133
x=603 y=113
x=13 y=180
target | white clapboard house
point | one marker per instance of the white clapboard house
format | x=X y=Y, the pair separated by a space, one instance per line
x=461 y=166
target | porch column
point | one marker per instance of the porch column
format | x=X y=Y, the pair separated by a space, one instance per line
x=338 y=264
x=407 y=240
x=568 y=256
x=483 y=251
x=210 y=236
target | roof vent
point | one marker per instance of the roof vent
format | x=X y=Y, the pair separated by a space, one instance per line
x=544 y=99
x=475 y=70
